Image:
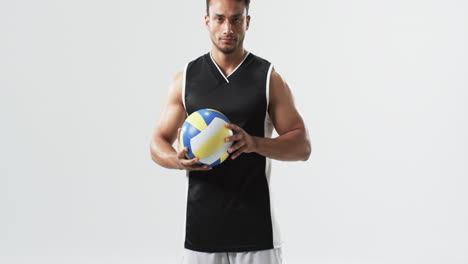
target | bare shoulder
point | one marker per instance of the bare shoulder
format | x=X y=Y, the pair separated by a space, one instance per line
x=275 y=76
x=173 y=113
x=281 y=107
x=279 y=89
x=175 y=88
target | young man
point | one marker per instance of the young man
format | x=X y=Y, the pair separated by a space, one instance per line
x=230 y=218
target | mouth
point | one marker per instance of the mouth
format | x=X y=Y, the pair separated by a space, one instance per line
x=228 y=40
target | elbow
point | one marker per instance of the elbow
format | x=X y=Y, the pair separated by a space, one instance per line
x=308 y=146
x=153 y=153
x=307 y=151
x=153 y=158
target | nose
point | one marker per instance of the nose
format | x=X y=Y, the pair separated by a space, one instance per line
x=227 y=27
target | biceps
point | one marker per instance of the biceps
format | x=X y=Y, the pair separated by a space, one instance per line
x=172 y=117
x=285 y=118
x=283 y=112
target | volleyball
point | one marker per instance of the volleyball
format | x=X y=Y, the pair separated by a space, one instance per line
x=203 y=133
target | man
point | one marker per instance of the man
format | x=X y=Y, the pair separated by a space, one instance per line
x=230 y=217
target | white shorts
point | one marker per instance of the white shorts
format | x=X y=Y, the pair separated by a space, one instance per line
x=270 y=256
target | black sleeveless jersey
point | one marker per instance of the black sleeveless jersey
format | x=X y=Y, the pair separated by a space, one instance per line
x=229 y=208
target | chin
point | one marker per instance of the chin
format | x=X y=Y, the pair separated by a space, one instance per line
x=227 y=50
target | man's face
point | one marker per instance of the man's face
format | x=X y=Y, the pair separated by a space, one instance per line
x=227 y=23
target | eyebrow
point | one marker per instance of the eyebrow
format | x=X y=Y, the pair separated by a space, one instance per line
x=235 y=15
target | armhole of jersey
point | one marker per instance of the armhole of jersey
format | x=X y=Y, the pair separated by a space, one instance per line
x=184 y=76
x=268 y=128
x=268 y=87
x=183 y=87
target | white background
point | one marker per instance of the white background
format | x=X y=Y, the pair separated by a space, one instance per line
x=381 y=85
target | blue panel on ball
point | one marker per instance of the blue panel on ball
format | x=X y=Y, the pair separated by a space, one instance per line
x=189 y=132
x=209 y=115
x=217 y=162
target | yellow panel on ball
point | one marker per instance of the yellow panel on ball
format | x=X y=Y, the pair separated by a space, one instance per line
x=213 y=143
x=197 y=121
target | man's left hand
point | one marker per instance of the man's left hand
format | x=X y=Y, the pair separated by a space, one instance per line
x=245 y=142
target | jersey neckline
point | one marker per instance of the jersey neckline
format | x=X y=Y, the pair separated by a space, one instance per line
x=235 y=70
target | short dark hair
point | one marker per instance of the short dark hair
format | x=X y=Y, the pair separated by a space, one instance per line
x=247 y=3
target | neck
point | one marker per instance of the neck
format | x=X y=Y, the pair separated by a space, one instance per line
x=228 y=62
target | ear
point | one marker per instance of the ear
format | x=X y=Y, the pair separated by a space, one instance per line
x=207 y=21
x=247 y=20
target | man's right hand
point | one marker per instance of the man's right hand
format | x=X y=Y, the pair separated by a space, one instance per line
x=188 y=164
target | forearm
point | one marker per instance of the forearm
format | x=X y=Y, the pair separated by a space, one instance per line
x=291 y=146
x=164 y=154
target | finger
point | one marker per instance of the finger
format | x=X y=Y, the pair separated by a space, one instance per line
x=233 y=127
x=228 y=139
x=236 y=137
x=201 y=168
x=181 y=153
x=178 y=137
x=237 y=153
x=189 y=162
x=197 y=167
x=236 y=146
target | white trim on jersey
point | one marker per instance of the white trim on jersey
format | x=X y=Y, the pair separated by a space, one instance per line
x=183 y=87
x=186 y=172
x=268 y=130
x=222 y=74
x=268 y=87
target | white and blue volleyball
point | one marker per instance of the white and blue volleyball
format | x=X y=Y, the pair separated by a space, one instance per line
x=203 y=133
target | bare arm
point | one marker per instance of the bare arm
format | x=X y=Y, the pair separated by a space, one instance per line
x=167 y=131
x=293 y=141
